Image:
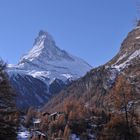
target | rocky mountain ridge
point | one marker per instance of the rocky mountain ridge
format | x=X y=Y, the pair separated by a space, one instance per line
x=44 y=71
x=96 y=86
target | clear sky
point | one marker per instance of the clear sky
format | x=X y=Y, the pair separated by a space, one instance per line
x=90 y=29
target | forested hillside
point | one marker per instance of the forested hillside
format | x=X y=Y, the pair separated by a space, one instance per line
x=8 y=111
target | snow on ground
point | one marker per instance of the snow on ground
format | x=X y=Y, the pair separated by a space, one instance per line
x=68 y=76
x=23 y=133
x=91 y=136
x=138 y=37
x=74 y=137
x=36 y=121
x=39 y=73
x=127 y=62
x=120 y=58
x=137 y=27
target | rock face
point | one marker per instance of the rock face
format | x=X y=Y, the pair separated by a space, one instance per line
x=44 y=71
x=94 y=88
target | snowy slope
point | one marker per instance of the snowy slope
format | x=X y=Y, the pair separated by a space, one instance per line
x=46 y=63
x=45 y=59
x=129 y=52
x=127 y=62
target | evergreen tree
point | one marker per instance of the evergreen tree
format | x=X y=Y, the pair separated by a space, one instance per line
x=8 y=111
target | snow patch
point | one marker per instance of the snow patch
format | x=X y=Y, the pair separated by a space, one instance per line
x=137 y=27
x=23 y=133
x=68 y=76
x=127 y=62
x=138 y=37
x=36 y=74
x=120 y=58
x=74 y=137
x=36 y=121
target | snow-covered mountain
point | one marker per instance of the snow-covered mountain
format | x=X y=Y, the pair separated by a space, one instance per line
x=46 y=69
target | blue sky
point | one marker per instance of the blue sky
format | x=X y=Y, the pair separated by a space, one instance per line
x=90 y=29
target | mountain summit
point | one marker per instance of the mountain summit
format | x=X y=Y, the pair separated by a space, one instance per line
x=44 y=71
x=45 y=55
x=45 y=46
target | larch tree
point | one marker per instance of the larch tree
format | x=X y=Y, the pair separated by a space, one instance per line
x=123 y=124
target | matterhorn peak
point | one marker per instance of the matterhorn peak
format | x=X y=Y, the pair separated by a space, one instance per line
x=45 y=38
x=44 y=35
x=42 y=32
x=45 y=55
x=44 y=70
x=44 y=45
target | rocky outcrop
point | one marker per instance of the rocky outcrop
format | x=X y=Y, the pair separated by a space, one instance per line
x=95 y=87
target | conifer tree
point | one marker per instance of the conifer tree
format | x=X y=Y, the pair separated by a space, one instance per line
x=8 y=110
x=123 y=124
